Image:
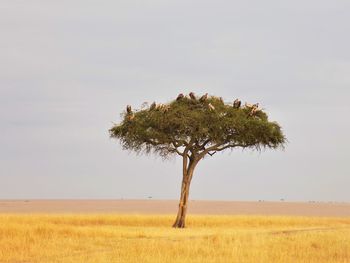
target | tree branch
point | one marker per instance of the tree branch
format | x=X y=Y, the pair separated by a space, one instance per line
x=185 y=157
x=204 y=143
x=212 y=148
x=211 y=154
x=232 y=146
x=220 y=147
x=179 y=143
x=176 y=149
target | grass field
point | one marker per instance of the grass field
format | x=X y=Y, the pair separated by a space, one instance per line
x=133 y=238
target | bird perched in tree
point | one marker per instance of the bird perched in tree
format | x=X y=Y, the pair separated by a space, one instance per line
x=153 y=106
x=130 y=114
x=237 y=104
x=162 y=107
x=211 y=107
x=254 y=109
x=165 y=108
x=204 y=97
x=128 y=109
x=248 y=105
x=192 y=96
x=180 y=96
x=159 y=106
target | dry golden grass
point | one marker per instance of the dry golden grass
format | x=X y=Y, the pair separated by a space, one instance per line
x=133 y=238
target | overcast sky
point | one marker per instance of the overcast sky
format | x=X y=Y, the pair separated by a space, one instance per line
x=68 y=69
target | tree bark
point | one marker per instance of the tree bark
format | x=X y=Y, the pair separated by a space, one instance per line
x=185 y=190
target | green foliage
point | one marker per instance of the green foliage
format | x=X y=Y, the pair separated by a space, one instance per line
x=197 y=124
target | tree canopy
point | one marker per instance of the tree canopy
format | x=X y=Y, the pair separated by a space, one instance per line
x=201 y=126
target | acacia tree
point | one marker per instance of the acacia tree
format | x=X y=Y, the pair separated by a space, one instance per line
x=194 y=128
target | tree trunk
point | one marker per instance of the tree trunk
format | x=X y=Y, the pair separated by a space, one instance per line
x=185 y=190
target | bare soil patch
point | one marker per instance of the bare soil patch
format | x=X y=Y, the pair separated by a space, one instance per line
x=170 y=207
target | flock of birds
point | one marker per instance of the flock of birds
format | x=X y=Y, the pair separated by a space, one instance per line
x=254 y=108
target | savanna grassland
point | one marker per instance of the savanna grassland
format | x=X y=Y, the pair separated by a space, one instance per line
x=150 y=238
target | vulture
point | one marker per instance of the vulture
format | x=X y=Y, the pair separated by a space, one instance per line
x=159 y=106
x=237 y=104
x=254 y=109
x=192 y=96
x=204 y=97
x=130 y=115
x=128 y=109
x=162 y=107
x=153 y=106
x=247 y=105
x=211 y=107
x=180 y=96
x=165 y=108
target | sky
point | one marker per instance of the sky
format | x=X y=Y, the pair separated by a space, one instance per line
x=69 y=68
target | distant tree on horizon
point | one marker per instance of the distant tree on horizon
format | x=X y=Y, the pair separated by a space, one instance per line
x=193 y=128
